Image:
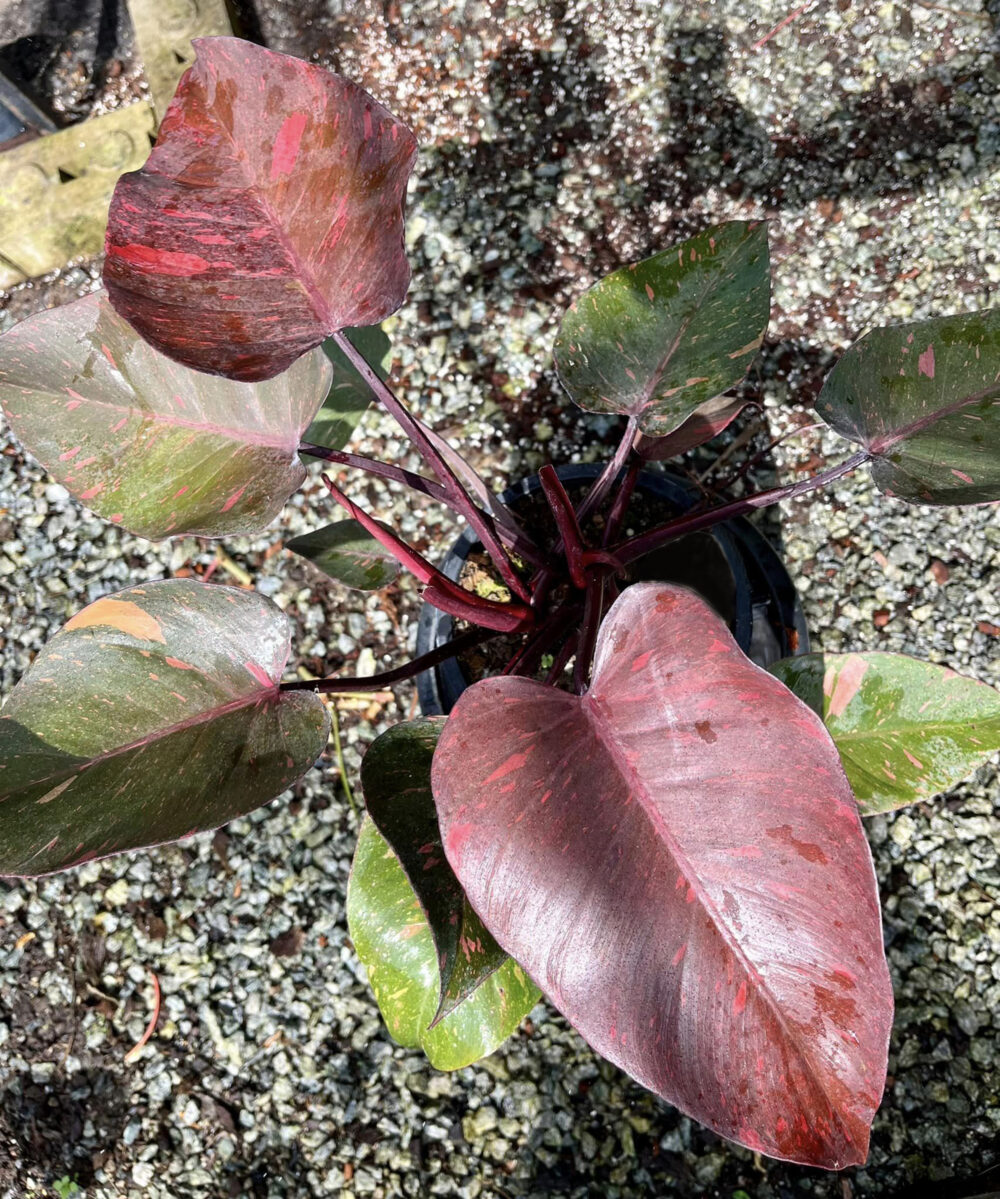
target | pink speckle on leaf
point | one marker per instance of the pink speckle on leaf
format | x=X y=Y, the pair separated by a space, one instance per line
x=233 y=499
x=164 y=262
x=960 y=474
x=925 y=363
x=286 y=145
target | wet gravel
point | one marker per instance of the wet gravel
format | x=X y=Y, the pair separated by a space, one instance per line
x=558 y=140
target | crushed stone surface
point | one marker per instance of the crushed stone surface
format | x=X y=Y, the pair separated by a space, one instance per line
x=558 y=141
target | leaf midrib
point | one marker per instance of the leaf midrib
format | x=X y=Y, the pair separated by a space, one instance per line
x=605 y=732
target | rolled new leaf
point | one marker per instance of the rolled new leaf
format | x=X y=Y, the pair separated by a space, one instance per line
x=268 y=216
x=924 y=400
x=153 y=714
x=348 y=553
x=156 y=448
x=660 y=339
x=905 y=729
x=396 y=779
x=676 y=858
x=390 y=933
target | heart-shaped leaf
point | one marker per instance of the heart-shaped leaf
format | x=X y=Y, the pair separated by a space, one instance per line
x=659 y=339
x=704 y=424
x=396 y=779
x=348 y=553
x=349 y=395
x=269 y=215
x=152 y=714
x=924 y=400
x=145 y=442
x=905 y=729
x=677 y=859
x=391 y=937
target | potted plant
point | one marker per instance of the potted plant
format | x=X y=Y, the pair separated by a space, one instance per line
x=661 y=836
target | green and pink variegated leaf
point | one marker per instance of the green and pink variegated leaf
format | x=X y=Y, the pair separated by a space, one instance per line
x=396 y=779
x=269 y=215
x=661 y=338
x=924 y=400
x=152 y=714
x=677 y=860
x=905 y=729
x=392 y=938
x=145 y=442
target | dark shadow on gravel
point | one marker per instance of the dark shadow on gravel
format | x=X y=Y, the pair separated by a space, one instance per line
x=46 y=1121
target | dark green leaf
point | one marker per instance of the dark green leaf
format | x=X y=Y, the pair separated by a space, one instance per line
x=396 y=780
x=924 y=400
x=349 y=394
x=348 y=553
x=151 y=445
x=659 y=339
x=152 y=714
x=904 y=729
x=393 y=940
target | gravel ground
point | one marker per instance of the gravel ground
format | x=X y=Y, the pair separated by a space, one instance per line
x=558 y=140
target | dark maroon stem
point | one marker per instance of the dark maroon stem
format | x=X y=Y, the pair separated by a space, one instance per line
x=386 y=470
x=561 y=658
x=636 y=547
x=561 y=507
x=610 y=472
x=622 y=501
x=592 y=611
x=459 y=497
x=554 y=626
x=375 y=682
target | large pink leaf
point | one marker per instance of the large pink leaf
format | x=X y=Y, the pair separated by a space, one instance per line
x=268 y=215
x=677 y=860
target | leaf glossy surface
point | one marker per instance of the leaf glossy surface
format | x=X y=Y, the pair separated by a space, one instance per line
x=659 y=339
x=677 y=859
x=153 y=714
x=268 y=216
x=148 y=444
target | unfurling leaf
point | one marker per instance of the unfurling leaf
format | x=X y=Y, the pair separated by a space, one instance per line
x=396 y=779
x=348 y=553
x=924 y=400
x=152 y=714
x=905 y=730
x=349 y=395
x=268 y=216
x=659 y=339
x=677 y=859
x=156 y=448
x=706 y=422
x=392 y=938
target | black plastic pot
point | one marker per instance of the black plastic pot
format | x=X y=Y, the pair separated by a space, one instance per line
x=732 y=566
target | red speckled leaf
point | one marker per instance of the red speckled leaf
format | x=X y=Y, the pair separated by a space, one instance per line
x=677 y=860
x=145 y=442
x=152 y=714
x=269 y=215
x=924 y=400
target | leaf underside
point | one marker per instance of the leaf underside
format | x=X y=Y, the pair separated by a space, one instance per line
x=391 y=937
x=924 y=399
x=152 y=714
x=348 y=553
x=677 y=859
x=660 y=339
x=396 y=780
x=268 y=216
x=156 y=448
x=706 y=422
x=905 y=729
